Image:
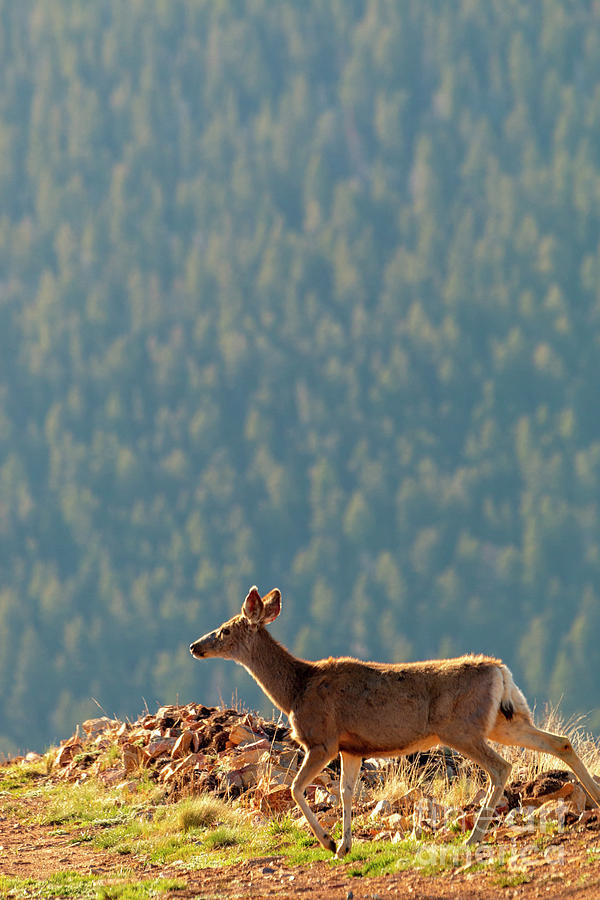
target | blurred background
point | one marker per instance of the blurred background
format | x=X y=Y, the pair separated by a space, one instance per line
x=304 y=294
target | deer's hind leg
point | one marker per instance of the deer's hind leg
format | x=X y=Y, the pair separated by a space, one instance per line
x=521 y=733
x=498 y=770
x=315 y=760
x=350 y=771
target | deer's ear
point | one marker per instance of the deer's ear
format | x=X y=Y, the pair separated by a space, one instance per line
x=252 y=607
x=272 y=605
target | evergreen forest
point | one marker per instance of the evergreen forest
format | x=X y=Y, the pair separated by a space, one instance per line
x=301 y=293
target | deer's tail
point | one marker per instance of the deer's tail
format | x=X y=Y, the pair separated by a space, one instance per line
x=512 y=700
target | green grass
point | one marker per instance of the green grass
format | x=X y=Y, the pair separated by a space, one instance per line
x=110 y=756
x=16 y=780
x=203 y=812
x=385 y=858
x=85 y=887
x=224 y=836
x=512 y=879
x=62 y=884
x=194 y=833
x=140 y=890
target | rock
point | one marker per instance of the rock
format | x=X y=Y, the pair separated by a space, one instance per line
x=276 y=800
x=430 y=811
x=248 y=754
x=32 y=757
x=160 y=747
x=286 y=757
x=129 y=787
x=382 y=809
x=166 y=773
x=579 y=799
x=244 y=754
x=397 y=822
x=502 y=806
x=276 y=775
x=122 y=732
x=553 y=785
x=68 y=750
x=133 y=757
x=324 y=796
x=405 y=804
x=93 y=727
x=188 y=763
x=553 y=812
x=466 y=821
x=589 y=817
x=514 y=817
x=242 y=777
x=112 y=776
x=329 y=818
x=515 y=832
x=182 y=745
x=171 y=714
x=240 y=734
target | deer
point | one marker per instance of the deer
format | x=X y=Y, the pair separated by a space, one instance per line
x=357 y=709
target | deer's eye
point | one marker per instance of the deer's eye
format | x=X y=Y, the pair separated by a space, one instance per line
x=225 y=632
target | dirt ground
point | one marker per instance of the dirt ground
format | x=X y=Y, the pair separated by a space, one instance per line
x=570 y=868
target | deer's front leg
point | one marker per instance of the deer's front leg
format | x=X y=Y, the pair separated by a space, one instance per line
x=350 y=771
x=315 y=760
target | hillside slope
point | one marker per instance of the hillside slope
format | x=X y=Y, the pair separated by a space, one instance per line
x=307 y=297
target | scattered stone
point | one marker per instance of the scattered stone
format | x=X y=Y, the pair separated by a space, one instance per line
x=93 y=727
x=68 y=751
x=324 y=796
x=182 y=744
x=382 y=809
x=553 y=785
x=129 y=787
x=275 y=801
x=133 y=757
x=398 y=822
x=551 y=813
x=32 y=757
x=241 y=734
x=160 y=747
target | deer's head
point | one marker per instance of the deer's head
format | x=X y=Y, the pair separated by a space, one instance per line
x=232 y=635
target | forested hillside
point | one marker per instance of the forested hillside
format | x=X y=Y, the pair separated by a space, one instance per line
x=305 y=294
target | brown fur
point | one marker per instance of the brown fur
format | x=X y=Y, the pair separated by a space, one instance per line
x=354 y=708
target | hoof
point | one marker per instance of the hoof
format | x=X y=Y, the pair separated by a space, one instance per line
x=342 y=849
x=473 y=839
x=328 y=843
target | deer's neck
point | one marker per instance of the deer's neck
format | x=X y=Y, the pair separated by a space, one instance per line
x=280 y=674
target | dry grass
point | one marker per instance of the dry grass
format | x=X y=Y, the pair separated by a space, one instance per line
x=204 y=812
x=403 y=775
